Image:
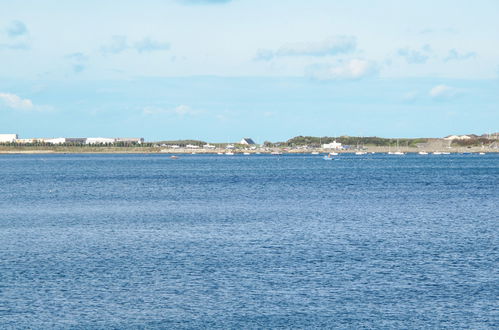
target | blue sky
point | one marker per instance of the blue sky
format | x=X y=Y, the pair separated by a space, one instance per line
x=220 y=70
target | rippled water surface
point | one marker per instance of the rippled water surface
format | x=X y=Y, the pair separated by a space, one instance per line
x=378 y=241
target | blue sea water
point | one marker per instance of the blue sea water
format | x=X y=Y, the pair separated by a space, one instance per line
x=144 y=241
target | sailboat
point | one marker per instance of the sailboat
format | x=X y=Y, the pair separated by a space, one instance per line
x=398 y=152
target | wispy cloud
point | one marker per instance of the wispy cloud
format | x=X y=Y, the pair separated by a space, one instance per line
x=16 y=29
x=329 y=47
x=447 y=30
x=77 y=61
x=455 y=55
x=15 y=46
x=415 y=56
x=149 y=45
x=119 y=44
x=180 y=110
x=349 y=70
x=15 y=102
x=17 y=37
x=116 y=45
x=444 y=92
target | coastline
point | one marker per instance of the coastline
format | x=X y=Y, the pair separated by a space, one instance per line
x=156 y=150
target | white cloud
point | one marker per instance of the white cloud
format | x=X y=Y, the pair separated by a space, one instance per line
x=15 y=102
x=329 y=47
x=351 y=69
x=443 y=92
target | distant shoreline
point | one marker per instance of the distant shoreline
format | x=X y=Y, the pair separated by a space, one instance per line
x=156 y=150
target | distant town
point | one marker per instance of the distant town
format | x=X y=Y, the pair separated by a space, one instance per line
x=12 y=143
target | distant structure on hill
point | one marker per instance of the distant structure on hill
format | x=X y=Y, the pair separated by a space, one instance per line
x=332 y=145
x=247 y=141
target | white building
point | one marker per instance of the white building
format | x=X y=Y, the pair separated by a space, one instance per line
x=130 y=140
x=100 y=140
x=25 y=141
x=55 y=140
x=457 y=137
x=332 y=145
x=208 y=146
x=192 y=146
x=8 y=138
x=247 y=141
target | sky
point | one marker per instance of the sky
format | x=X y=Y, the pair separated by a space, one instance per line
x=220 y=70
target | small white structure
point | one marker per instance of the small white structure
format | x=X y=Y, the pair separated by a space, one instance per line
x=192 y=146
x=247 y=141
x=8 y=138
x=100 y=140
x=130 y=140
x=229 y=146
x=25 y=141
x=208 y=146
x=457 y=137
x=333 y=145
x=55 y=140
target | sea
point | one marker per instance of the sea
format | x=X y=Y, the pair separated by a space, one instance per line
x=142 y=241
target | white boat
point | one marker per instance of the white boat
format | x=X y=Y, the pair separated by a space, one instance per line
x=315 y=153
x=445 y=153
x=276 y=153
x=360 y=153
x=333 y=153
x=220 y=153
x=246 y=153
x=398 y=152
x=229 y=153
x=437 y=153
x=422 y=153
x=481 y=153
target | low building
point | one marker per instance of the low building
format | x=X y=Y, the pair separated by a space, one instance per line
x=25 y=141
x=76 y=140
x=130 y=140
x=247 y=141
x=192 y=146
x=208 y=146
x=54 y=140
x=100 y=140
x=8 y=138
x=332 y=145
x=457 y=137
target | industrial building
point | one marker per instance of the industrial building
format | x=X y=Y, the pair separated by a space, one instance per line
x=8 y=138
